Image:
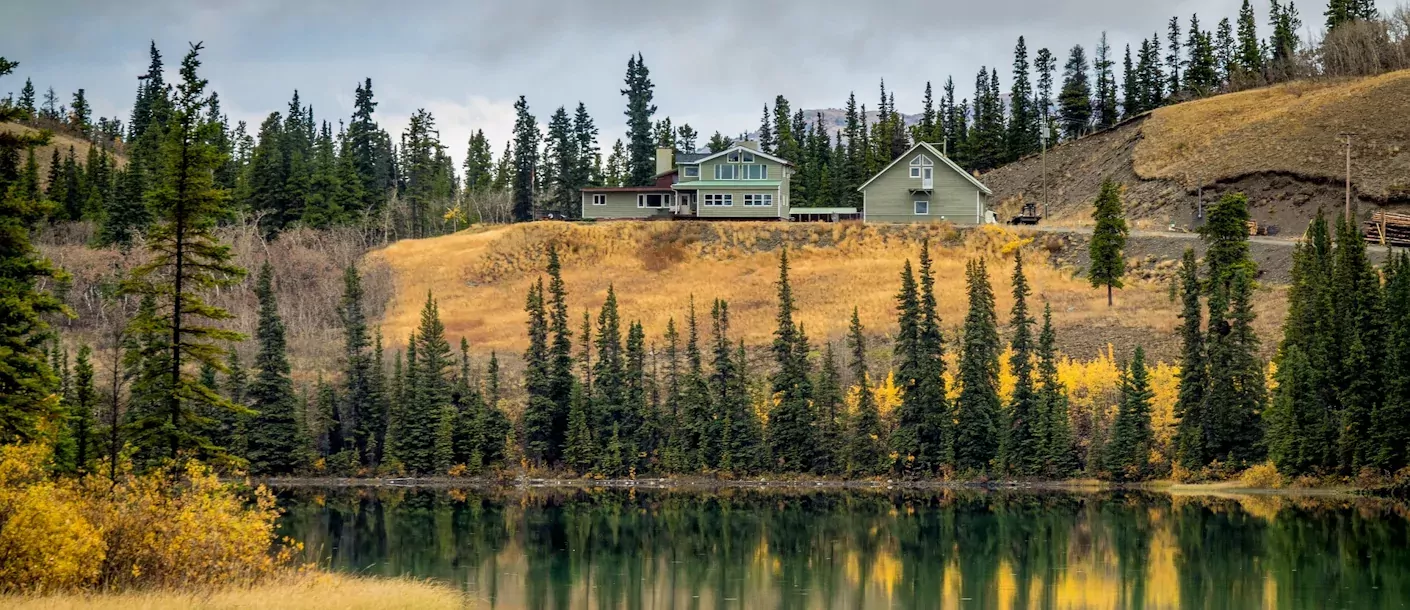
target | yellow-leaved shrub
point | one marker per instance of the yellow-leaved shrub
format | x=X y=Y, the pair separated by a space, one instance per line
x=169 y=528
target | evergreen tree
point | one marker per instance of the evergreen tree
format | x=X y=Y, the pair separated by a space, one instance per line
x=560 y=351
x=686 y=138
x=1234 y=395
x=273 y=442
x=1282 y=46
x=1190 y=406
x=1358 y=328
x=1046 y=64
x=1130 y=88
x=1149 y=74
x=791 y=439
x=1202 y=71
x=977 y=415
x=608 y=396
x=827 y=405
x=1024 y=118
x=1128 y=450
x=1249 y=56
x=83 y=411
x=540 y=445
x=1023 y=446
x=1059 y=453
x=717 y=143
x=26 y=101
x=1224 y=50
x=187 y=259
x=866 y=455
x=641 y=146
x=424 y=415
x=526 y=147
x=479 y=164
x=1173 y=59
x=359 y=387
x=580 y=450
x=1075 y=100
x=1105 y=100
x=739 y=445
x=695 y=408
x=1391 y=418
x=1108 y=262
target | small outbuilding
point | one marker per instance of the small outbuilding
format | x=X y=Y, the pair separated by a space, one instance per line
x=923 y=185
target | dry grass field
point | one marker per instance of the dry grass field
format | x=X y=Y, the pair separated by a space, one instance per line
x=62 y=142
x=1288 y=128
x=480 y=278
x=314 y=590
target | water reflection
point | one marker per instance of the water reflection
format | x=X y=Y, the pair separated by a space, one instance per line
x=742 y=548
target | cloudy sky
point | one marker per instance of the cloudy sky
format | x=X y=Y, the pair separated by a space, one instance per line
x=715 y=64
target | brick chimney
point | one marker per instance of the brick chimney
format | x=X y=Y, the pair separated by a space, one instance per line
x=665 y=160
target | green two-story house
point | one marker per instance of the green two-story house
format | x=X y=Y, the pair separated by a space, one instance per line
x=741 y=183
x=923 y=185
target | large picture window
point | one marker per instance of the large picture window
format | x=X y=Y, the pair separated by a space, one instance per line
x=726 y=172
x=718 y=200
x=653 y=200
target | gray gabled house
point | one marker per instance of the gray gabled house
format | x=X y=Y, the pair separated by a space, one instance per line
x=923 y=185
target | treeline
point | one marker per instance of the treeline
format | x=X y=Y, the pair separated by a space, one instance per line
x=295 y=168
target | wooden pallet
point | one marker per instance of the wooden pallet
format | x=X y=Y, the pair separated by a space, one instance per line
x=1388 y=229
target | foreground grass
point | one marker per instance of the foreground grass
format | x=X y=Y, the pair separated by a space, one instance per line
x=305 y=590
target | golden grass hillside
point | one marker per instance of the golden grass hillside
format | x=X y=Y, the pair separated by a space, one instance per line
x=314 y=591
x=1289 y=128
x=480 y=278
x=60 y=141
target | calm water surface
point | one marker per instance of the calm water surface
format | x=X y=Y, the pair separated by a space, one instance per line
x=738 y=548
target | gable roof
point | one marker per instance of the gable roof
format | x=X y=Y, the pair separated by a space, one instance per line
x=726 y=151
x=690 y=157
x=939 y=155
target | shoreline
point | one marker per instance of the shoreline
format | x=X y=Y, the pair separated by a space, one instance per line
x=708 y=483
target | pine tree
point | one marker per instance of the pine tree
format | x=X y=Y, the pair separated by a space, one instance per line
x=1224 y=50
x=827 y=405
x=538 y=420
x=1075 y=100
x=1024 y=118
x=737 y=437
x=1023 y=446
x=1130 y=88
x=1282 y=45
x=977 y=416
x=1059 y=453
x=1202 y=72
x=26 y=381
x=608 y=395
x=83 y=399
x=641 y=145
x=1249 y=54
x=272 y=440
x=700 y=445
x=560 y=352
x=425 y=413
x=866 y=455
x=1108 y=263
x=1105 y=101
x=1235 y=392
x=1128 y=450
x=1391 y=419
x=26 y=101
x=717 y=143
x=1359 y=342
x=359 y=387
x=580 y=450
x=526 y=147
x=1190 y=406
x=791 y=440
x=1173 y=59
x=187 y=259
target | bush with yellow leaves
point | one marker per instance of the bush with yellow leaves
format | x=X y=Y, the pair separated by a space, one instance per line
x=169 y=528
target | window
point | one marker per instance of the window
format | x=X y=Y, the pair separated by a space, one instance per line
x=692 y=171
x=654 y=200
x=719 y=200
x=760 y=200
x=726 y=172
x=747 y=157
x=734 y=157
x=599 y=200
x=922 y=208
x=757 y=171
x=915 y=171
x=921 y=160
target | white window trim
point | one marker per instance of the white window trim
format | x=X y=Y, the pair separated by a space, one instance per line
x=915 y=207
x=665 y=201
x=732 y=157
x=599 y=200
x=746 y=157
x=759 y=200
x=915 y=171
x=718 y=200
x=692 y=171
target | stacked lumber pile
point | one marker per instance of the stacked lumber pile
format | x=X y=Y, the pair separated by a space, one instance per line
x=1388 y=229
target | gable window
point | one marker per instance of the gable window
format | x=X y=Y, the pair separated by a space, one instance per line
x=734 y=157
x=599 y=200
x=653 y=200
x=922 y=208
x=759 y=200
x=692 y=171
x=747 y=157
x=918 y=162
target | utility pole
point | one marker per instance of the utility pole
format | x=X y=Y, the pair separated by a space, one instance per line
x=1347 y=135
x=1043 y=137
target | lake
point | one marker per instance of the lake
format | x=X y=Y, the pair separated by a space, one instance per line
x=548 y=548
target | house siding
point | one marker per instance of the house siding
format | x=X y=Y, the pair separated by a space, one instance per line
x=954 y=199
x=707 y=169
x=738 y=210
x=619 y=205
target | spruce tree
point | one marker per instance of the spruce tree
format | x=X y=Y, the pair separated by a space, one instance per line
x=526 y=150
x=1128 y=450
x=791 y=439
x=1173 y=59
x=1358 y=343
x=424 y=416
x=560 y=351
x=1191 y=431
x=1235 y=394
x=1108 y=262
x=187 y=260
x=83 y=410
x=1249 y=56
x=1059 y=453
x=540 y=445
x=1391 y=419
x=866 y=448
x=737 y=436
x=358 y=392
x=1023 y=446
x=1105 y=100
x=1075 y=99
x=1024 y=118
x=695 y=404
x=827 y=404
x=641 y=145
x=977 y=415
x=608 y=395
x=273 y=443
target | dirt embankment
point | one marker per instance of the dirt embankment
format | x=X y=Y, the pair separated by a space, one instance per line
x=1278 y=145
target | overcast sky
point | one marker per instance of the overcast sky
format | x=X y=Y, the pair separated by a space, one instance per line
x=715 y=64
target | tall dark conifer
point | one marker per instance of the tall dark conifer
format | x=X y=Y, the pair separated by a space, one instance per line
x=641 y=145
x=273 y=441
x=790 y=433
x=1023 y=446
x=977 y=414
